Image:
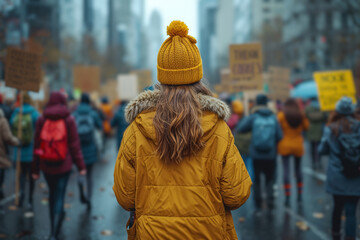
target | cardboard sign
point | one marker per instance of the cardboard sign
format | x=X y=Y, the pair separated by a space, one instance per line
x=23 y=70
x=246 y=65
x=332 y=86
x=144 y=78
x=86 y=78
x=250 y=95
x=279 y=83
x=109 y=89
x=127 y=86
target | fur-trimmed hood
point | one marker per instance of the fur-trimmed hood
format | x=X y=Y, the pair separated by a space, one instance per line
x=147 y=100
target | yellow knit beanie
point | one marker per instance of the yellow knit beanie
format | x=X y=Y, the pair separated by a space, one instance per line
x=179 y=61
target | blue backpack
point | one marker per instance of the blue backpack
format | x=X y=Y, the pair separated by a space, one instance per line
x=264 y=133
x=85 y=126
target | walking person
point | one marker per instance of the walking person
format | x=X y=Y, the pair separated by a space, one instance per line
x=293 y=123
x=108 y=114
x=57 y=147
x=266 y=133
x=119 y=122
x=317 y=120
x=341 y=141
x=6 y=138
x=178 y=155
x=28 y=121
x=87 y=122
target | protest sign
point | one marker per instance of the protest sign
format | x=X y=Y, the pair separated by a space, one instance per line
x=246 y=66
x=144 y=78
x=23 y=70
x=332 y=85
x=109 y=89
x=279 y=83
x=250 y=95
x=127 y=86
x=86 y=78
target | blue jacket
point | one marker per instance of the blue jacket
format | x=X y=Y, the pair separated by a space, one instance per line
x=246 y=125
x=26 y=151
x=89 y=150
x=120 y=123
x=336 y=182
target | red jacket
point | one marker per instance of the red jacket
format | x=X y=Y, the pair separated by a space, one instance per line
x=57 y=109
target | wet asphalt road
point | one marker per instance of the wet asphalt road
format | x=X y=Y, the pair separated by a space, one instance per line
x=106 y=220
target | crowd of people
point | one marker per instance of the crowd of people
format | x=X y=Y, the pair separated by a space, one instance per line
x=64 y=134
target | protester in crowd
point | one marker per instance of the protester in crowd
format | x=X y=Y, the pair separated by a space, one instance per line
x=6 y=138
x=119 y=122
x=266 y=133
x=57 y=146
x=242 y=140
x=87 y=121
x=5 y=108
x=293 y=123
x=237 y=114
x=341 y=142
x=107 y=110
x=178 y=155
x=317 y=120
x=28 y=122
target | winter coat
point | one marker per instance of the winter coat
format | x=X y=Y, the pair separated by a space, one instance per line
x=293 y=141
x=246 y=126
x=336 y=182
x=6 y=138
x=120 y=123
x=89 y=150
x=26 y=151
x=106 y=108
x=317 y=121
x=190 y=200
x=56 y=109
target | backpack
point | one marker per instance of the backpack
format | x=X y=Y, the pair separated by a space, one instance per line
x=264 y=133
x=26 y=128
x=85 y=127
x=349 y=144
x=53 y=141
x=316 y=116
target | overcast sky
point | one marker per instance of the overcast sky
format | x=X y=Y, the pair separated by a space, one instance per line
x=184 y=10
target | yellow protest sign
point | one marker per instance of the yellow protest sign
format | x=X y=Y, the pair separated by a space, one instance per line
x=246 y=65
x=333 y=85
x=87 y=78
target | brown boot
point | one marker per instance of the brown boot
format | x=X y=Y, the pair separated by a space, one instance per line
x=336 y=236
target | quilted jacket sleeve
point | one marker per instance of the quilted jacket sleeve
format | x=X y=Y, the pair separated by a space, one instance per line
x=235 y=180
x=124 y=174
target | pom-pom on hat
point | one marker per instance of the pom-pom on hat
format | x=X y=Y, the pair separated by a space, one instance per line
x=179 y=61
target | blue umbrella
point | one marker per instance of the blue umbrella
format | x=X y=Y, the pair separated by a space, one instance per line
x=305 y=90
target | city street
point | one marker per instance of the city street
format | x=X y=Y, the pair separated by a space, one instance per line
x=107 y=219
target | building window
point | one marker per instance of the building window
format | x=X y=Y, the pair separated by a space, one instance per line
x=266 y=10
x=328 y=20
x=312 y=21
x=344 y=20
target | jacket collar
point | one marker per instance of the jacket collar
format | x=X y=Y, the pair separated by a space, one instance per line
x=147 y=100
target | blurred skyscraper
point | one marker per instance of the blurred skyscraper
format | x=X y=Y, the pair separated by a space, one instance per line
x=154 y=41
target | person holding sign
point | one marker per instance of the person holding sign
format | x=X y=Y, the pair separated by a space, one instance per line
x=341 y=141
x=28 y=121
x=177 y=165
x=57 y=147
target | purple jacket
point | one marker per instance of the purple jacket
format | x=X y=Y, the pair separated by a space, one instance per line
x=57 y=109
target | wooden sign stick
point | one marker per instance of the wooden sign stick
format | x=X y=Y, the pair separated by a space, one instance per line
x=18 y=155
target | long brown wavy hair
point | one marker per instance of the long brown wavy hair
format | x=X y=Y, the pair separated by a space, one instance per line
x=337 y=121
x=177 y=121
x=293 y=113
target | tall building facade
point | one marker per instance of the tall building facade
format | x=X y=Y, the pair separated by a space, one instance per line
x=154 y=40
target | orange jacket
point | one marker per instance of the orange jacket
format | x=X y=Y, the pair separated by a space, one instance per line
x=293 y=140
x=190 y=200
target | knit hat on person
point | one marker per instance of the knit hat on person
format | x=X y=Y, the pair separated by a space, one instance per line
x=345 y=106
x=85 y=98
x=237 y=107
x=261 y=99
x=179 y=61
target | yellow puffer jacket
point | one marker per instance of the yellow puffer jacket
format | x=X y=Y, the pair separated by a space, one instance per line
x=190 y=200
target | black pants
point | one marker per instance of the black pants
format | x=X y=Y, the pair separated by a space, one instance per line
x=315 y=157
x=350 y=204
x=25 y=176
x=298 y=173
x=266 y=167
x=89 y=181
x=2 y=179
x=57 y=189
